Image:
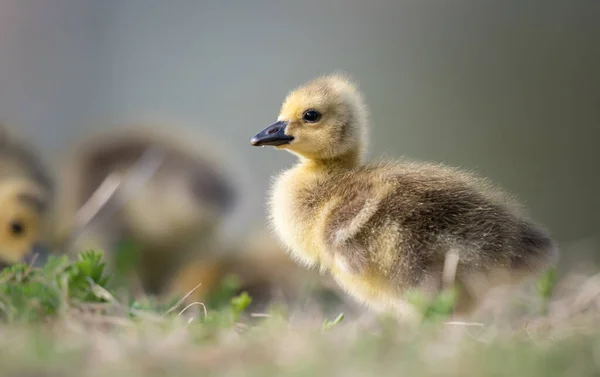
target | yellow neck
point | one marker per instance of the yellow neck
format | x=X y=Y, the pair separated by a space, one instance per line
x=346 y=161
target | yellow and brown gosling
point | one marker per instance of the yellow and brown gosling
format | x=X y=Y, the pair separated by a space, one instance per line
x=264 y=272
x=384 y=227
x=167 y=197
x=26 y=192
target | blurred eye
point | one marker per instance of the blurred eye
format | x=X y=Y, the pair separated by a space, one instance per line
x=17 y=228
x=311 y=116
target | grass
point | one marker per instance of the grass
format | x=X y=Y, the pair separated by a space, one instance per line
x=66 y=319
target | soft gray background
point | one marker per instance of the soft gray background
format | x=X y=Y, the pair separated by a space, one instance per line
x=508 y=88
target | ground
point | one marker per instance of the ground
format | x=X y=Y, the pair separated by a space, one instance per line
x=64 y=320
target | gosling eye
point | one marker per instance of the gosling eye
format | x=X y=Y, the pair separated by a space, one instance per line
x=311 y=116
x=17 y=228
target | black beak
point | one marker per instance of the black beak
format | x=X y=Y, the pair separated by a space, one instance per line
x=38 y=256
x=272 y=135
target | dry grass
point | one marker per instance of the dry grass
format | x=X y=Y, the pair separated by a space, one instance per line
x=95 y=340
x=521 y=334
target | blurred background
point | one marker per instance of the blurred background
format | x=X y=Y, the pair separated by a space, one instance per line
x=509 y=89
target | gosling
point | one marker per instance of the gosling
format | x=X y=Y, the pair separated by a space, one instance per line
x=173 y=215
x=263 y=270
x=386 y=227
x=26 y=196
x=23 y=207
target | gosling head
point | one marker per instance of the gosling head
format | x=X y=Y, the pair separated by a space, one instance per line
x=324 y=119
x=23 y=205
